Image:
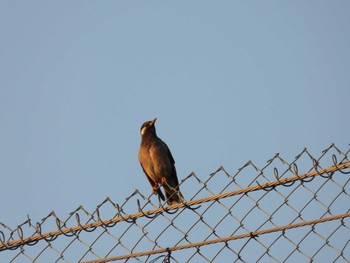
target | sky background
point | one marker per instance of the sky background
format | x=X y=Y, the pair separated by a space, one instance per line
x=229 y=81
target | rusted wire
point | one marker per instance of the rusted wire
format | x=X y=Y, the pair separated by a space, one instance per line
x=226 y=211
x=131 y=218
x=223 y=240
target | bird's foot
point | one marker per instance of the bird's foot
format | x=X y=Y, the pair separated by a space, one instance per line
x=154 y=189
x=164 y=180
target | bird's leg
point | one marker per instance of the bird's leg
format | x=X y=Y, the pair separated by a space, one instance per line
x=154 y=189
x=164 y=180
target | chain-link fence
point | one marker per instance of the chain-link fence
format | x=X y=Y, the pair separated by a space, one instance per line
x=295 y=211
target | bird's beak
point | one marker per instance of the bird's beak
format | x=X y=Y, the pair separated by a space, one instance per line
x=153 y=121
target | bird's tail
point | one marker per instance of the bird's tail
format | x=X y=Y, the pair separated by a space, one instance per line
x=173 y=196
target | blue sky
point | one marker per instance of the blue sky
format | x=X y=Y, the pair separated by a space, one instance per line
x=229 y=81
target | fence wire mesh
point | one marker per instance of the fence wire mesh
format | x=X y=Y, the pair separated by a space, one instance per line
x=294 y=211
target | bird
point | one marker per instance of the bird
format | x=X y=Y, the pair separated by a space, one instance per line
x=158 y=164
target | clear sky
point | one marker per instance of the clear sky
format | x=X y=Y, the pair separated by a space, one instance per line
x=229 y=81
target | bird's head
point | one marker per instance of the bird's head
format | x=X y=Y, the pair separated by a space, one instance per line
x=148 y=127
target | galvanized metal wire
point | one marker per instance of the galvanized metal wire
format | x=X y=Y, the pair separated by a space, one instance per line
x=297 y=211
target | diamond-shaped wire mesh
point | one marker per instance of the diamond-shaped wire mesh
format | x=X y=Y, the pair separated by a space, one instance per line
x=294 y=211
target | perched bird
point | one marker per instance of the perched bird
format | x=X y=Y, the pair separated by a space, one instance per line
x=158 y=164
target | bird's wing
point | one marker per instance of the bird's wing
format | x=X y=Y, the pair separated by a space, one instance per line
x=172 y=161
x=153 y=184
x=170 y=156
x=172 y=196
